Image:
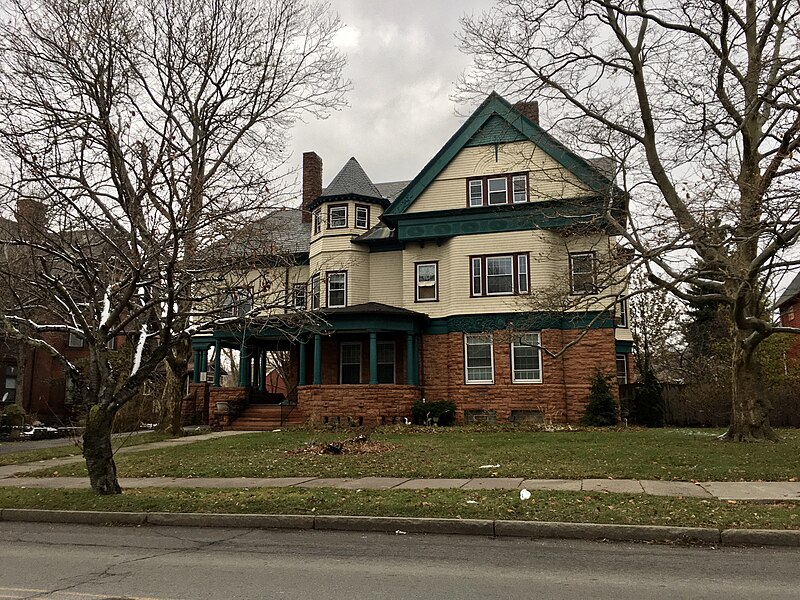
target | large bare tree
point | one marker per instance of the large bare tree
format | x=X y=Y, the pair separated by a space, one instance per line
x=698 y=102
x=137 y=138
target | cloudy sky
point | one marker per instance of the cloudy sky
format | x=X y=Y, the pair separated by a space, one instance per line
x=403 y=63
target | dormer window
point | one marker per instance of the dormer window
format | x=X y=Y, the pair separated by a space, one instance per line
x=496 y=190
x=337 y=216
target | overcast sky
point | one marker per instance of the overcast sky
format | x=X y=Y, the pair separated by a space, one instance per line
x=403 y=64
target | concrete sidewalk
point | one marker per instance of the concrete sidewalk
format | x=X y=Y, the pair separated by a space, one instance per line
x=755 y=491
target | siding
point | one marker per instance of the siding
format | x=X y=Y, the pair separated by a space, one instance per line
x=547 y=178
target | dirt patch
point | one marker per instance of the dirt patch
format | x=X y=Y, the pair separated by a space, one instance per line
x=358 y=445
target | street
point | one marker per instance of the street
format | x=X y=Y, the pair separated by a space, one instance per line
x=86 y=562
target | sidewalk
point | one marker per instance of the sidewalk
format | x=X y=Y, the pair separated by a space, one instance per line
x=755 y=491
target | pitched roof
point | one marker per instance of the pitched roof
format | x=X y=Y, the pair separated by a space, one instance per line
x=280 y=232
x=497 y=120
x=373 y=308
x=790 y=292
x=351 y=181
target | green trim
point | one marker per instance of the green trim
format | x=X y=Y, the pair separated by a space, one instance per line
x=530 y=321
x=549 y=214
x=496 y=130
x=624 y=347
x=493 y=106
x=320 y=200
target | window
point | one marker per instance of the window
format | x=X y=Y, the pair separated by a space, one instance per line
x=526 y=358
x=315 y=292
x=427 y=284
x=362 y=217
x=788 y=314
x=478 y=359
x=75 y=341
x=520 y=187
x=622 y=369
x=238 y=302
x=622 y=313
x=350 y=362
x=582 y=273
x=385 y=362
x=337 y=289
x=495 y=190
x=498 y=192
x=498 y=275
x=476 y=192
x=8 y=392
x=299 y=295
x=318 y=220
x=337 y=216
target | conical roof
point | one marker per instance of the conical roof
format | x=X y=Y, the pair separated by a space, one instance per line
x=351 y=181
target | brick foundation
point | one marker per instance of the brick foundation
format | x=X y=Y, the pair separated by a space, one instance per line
x=368 y=404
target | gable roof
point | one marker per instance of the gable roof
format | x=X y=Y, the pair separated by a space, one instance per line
x=497 y=121
x=790 y=292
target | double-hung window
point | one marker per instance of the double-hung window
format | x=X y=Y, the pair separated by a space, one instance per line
x=75 y=341
x=526 y=358
x=350 y=362
x=478 y=358
x=622 y=369
x=8 y=377
x=337 y=216
x=337 y=289
x=622 y=313
x=362 y=217
x=427 y=283
x=386 y=362
x=299 y=295
x=315 y=292
x=496 y=190
x=582 y=274
x=499 y=275
x=318 y=220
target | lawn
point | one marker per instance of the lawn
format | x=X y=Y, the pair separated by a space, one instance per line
x=71 y=448
x=578 y=507
x=668 y=454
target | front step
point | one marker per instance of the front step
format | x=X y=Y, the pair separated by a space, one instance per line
x=264 y=417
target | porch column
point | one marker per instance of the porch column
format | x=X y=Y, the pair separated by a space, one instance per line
x=410 y=364
x=255 y=361
x=301 y=376
x=243 y=382
x=262 y=382
x=217 y=362
x=196 y=372
x=203 y=363
x=373 y=358
x=317 y=359
x=416 y=360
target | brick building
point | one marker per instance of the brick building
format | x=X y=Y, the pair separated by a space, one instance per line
x=789 y=307
x=487 y=280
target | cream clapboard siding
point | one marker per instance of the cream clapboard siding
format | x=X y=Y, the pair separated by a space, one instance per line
x=374 y=213
x=549 y=271
x=354 y=260
x=547 y=178
x=386 y=278
x=269 y=286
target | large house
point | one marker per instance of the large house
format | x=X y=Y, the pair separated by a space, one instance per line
x=788 y=306
x=491 y=279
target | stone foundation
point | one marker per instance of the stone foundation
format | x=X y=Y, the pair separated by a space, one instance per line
x=357 y=404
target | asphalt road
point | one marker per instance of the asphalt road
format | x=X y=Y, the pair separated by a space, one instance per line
x=83 y=562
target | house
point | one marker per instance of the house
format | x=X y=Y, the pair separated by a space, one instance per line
x=789 y=307
x=491 y=279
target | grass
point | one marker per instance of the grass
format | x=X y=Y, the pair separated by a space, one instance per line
x=71 y=448
x=578 y=507
x=668 y=454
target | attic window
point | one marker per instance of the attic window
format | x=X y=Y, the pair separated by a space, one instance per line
x=496 y=190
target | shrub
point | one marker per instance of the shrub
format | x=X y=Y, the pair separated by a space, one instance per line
x=443 y=411
x=648 y=402
x=601 y=408
x=13 y=416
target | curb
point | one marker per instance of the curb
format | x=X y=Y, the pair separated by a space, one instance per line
x=402 y=525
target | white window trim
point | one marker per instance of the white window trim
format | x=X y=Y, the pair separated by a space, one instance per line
x=299 y=287
x=514 y=180
x=523 y=276
x=365 y=210
x=75 y=341
x=341 y=361
x=317 y=216
x=328 y=290
x=513 y=287
x=467 y=380
x=622 y=313
x=476 y=200
x=514 y=378
x=572 y=273
x=625 y=360
x=342 y=207
x=435 y=281
x=489 y=191
x=476 y=274
x=316 y=292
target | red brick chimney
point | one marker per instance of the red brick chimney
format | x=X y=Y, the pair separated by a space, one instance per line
x=312 y=182
x=529 y=109
x=31 y=217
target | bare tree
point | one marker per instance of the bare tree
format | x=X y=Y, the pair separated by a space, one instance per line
x=698 y=102
x=138 y=137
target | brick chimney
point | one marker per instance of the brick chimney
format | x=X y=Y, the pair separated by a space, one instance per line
x=312 y=182
x=529 y=109
x=31 y=217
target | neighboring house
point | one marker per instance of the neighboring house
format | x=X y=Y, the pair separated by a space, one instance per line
x=789 y=306
x=480 y=281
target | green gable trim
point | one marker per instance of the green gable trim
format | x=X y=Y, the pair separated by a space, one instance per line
x=531 y=321
x=495 y=131
x=624 y=347
x=549 y=214
x=495 y=106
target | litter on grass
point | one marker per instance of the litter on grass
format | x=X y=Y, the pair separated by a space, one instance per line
x=489 y=466
x=524 y=494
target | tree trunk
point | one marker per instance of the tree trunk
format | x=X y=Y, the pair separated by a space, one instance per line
x=98 y=452
x=751 y=407
x=173 y=393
